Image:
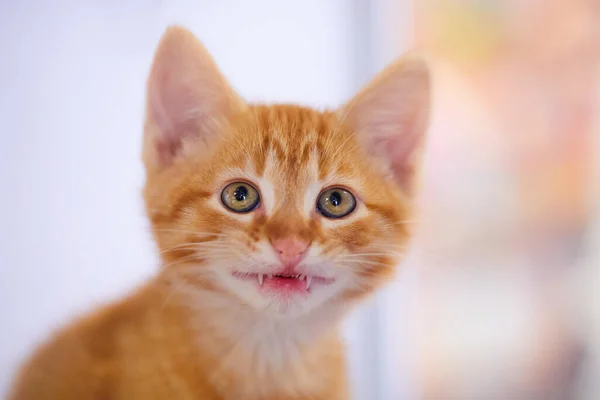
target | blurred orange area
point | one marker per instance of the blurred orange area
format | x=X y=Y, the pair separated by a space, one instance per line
x=508 y=202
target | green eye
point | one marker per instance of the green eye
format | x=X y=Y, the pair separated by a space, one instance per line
x=336 y=203
x=240 y=197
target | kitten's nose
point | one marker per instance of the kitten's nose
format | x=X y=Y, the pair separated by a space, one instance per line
x=290 y=250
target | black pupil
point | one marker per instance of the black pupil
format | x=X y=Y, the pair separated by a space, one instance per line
x=335 y=198
x=240 y=193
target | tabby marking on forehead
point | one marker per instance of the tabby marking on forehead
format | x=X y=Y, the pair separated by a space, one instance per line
x=292 y=135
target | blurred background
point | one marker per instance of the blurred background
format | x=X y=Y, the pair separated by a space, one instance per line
x=500 y=297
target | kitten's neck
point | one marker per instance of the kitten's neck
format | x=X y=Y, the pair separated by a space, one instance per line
x=248 y=349
x=239 y=323
x=231 y=330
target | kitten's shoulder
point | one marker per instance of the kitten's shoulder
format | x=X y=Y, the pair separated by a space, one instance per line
x=81 y=360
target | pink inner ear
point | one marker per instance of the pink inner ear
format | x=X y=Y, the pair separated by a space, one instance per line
x=173 y=107
x=171 y=102
x=398 y=150
x=167 y=148
x=390 y=116
x=167 y=112
x=400 y=138
x=187 y=96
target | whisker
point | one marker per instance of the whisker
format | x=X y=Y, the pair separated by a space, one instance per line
x=333 y=135
x=373 y=273
x=183 y=260
x=197 y=246
x=179 y=247
x=340 y=147
x=361 y=262
x=176 y=230
x=384 y=254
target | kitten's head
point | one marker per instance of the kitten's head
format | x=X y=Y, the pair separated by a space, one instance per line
x=281 y=208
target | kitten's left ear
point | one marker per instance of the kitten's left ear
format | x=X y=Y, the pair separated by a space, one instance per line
x=390 y=117
x=188 y=100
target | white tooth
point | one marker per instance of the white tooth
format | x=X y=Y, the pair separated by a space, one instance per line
x=301 y=277
x=260 y=279
x=308 y=279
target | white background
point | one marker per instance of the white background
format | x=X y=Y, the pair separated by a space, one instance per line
x=72 y=75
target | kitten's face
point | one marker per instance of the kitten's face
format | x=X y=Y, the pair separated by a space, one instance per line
x=283 y=209
x=286 y=214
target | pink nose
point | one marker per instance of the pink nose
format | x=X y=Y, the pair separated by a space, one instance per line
x=290 y=250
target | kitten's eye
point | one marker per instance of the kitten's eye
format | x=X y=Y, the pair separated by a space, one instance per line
x=336 y=203
x=240 y=197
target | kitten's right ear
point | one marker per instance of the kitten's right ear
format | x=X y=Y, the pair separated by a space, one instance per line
x=390 y=117
x=188 y=99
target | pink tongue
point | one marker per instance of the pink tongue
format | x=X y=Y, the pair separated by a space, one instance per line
x=284 y=284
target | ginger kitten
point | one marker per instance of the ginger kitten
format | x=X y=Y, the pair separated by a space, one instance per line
x=272 y=221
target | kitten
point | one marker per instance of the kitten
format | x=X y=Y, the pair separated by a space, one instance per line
x=271 y=222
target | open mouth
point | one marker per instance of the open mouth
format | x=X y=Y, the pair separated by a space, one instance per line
x=284 y=282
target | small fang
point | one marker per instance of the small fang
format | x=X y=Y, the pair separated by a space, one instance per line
x=301 y=277
x=308 y=280
x=260 y=279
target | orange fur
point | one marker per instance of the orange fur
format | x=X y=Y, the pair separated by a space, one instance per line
x=196 y=331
